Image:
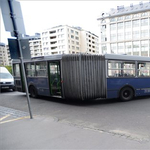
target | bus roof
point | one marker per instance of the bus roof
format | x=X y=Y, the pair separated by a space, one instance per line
x=50 y=57
x=126 y=57
x=107 y=57
x=40 y=58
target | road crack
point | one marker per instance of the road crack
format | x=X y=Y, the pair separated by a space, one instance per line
x=119 y=133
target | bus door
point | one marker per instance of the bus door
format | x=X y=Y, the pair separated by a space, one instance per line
x=18 y=78
x=55 y=78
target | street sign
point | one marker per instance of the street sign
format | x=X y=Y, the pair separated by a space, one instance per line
x=14 y=48
x=6 y=13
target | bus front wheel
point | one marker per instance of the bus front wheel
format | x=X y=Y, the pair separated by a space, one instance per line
x=126 y=94
x=33 y=91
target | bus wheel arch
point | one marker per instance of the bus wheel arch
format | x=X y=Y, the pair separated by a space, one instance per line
x=126 y=93
x=33 y=91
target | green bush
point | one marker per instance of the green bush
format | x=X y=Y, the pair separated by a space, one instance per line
x=9 y=68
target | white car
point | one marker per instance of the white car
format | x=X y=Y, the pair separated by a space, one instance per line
x=6 y=79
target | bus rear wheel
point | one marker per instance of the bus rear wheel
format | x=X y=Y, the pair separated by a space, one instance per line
x=126 y=94
x=33 y=91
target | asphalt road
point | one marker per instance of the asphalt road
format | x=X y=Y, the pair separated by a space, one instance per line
x=126 y=120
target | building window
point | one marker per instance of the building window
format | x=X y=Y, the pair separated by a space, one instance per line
x=120 y=36
x=103 y=21
x=136 y=48
x=128 y=17
x=120 y=26
x=144 y=22
x=76 y=32
x=144 y=33
x=128 y=24
x=113 y=48
x=72 y=31
x=77 y=48
x=113 y=27
x=112 y=19
x=127 y=35
x=120 y=48
x=63 y=46
x=144 y=14
x=128 y=47
x=136 y=23
x=103 y=27
x=119 y=18
x=104 y=49
x=72 y=36
x=136 y=35
x=135 y=15
x=77 y=38
x=144 y=48
x=62 y=35
x=103 y=38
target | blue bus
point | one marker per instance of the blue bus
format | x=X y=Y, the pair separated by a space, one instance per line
x=85 y=76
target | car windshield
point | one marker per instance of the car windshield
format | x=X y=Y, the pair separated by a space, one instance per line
x=5 y=76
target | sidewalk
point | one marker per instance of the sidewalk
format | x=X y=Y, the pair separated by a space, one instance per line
x=49 y=133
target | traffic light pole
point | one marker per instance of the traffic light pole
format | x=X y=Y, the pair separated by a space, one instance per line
x=16 y=33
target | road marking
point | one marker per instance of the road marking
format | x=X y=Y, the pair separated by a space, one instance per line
x=12 y=119
x=4 y=117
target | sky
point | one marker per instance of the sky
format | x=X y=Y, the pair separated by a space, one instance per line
x=40 y=15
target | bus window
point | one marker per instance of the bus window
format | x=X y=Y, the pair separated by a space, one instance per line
x=121 y=68
x=16 y=70
x=144 y=69
x=30 y=69
x=129 y=69
x=41 y=69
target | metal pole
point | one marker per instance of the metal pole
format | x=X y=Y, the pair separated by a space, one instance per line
x=20 y=51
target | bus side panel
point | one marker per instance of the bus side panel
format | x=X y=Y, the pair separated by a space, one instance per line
x=41 y=84
x=140 y=85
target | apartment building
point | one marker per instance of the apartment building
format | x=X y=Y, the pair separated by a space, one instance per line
x=35 y=44
x=126 y=30
x=5 y=59
x=64 y=39
x=35 y=47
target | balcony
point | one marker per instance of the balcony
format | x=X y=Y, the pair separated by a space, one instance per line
x=54 y=42
x=52 y=32
x=54 y=48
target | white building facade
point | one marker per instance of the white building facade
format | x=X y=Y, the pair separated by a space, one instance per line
x=35 y=48
x=126 y=30
x=68 y=40
x=5 y=59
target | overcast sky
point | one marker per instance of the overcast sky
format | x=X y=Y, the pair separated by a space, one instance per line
x=40 y=15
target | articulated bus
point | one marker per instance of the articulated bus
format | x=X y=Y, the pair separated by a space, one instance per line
x=85 y=76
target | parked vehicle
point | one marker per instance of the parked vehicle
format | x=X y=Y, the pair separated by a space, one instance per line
x=6 y=79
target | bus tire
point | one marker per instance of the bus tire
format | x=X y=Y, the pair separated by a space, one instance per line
x=126 y=94
x=33 y=92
